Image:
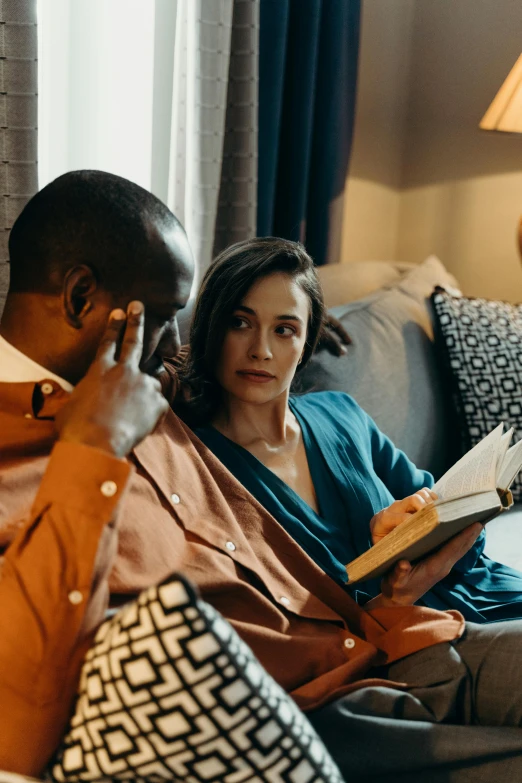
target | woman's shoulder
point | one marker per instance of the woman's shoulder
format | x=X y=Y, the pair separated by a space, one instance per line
x=328 y=403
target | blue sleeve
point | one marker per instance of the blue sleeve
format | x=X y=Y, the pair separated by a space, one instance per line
x=392 y=465
x=402 y=478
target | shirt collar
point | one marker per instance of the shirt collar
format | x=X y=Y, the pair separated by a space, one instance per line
x=16 y=367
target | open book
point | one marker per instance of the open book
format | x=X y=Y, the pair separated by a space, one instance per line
x=475 y=489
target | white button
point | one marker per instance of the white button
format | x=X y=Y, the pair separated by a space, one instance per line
x=75 y=597
x=109 y=488
x=230 y=545
x=47 y=388
x=28 y=415
x=349 y=643
x=175 y=499
x=284 y=600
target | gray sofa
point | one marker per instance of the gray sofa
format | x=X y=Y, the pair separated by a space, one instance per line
x=391 y=368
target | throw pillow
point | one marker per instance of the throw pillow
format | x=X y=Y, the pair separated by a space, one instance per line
x=391 y=368
x=169 y=691
x=481 y=347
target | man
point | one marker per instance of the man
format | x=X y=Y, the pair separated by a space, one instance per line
x=90 y=242
x=53 y=585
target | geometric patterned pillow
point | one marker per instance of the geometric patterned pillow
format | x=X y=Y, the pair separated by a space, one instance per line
x=481 y=345
x=170 y=691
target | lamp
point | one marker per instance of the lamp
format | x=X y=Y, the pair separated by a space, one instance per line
x=505 y=112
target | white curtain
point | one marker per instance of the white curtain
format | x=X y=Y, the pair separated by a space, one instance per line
x=141 y=88
x=96 y=74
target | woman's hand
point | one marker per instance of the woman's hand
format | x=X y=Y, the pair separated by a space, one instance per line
x=406 y=583
x=398 y=512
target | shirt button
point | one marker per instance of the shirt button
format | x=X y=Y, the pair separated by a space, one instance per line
x=231 y=546
x=47 y=388
x=175 y=499
x=75 y=597
x=284 y=600
x=349 y=644
x=28 y=415
x=109 y=488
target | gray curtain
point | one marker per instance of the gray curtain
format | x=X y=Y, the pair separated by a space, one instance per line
x=237 y=204
x=18 y=118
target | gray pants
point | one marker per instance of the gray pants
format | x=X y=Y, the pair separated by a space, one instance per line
x=458 y=722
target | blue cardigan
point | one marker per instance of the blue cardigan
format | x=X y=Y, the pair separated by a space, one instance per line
x=357 y=471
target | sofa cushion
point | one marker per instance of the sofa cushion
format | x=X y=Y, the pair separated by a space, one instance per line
x=390 y=368
x=504 y=538
x=343 y=283
x=481 y=347
x=169 y=691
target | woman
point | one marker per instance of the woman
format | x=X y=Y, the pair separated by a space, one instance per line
x=317 y=462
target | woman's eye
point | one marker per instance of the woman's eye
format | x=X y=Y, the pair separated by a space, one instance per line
x=285 y=331
x=238 y=323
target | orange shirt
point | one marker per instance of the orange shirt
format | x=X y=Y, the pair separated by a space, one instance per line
x=185 y=512
x=53 y=594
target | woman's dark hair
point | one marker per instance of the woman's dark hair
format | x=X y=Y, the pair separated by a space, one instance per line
x=224 y=286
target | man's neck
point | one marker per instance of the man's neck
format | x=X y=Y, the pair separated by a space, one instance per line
x=24 y=325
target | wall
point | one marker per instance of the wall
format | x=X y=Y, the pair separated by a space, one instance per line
x=459 y=190
x=372 y=201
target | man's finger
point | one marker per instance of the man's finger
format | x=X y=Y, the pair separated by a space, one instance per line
x=111 y=337
x=336 y=326
x=332 y=344
x=132 y=343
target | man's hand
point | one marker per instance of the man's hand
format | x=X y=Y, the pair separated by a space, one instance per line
x=115 y=405
x=406 y=583
x=398 y=512
x=333 y=337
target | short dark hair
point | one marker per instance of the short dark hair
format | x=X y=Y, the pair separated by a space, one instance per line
x=225 y=284
x=84 y=217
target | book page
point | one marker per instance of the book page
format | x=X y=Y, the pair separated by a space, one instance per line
x=476 y=471
x=503 y=446
x=510 y=466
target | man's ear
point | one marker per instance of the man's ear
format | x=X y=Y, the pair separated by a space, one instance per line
x=79 y=286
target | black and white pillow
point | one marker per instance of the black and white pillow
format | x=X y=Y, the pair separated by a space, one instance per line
x=481 y=343
x=169 y=691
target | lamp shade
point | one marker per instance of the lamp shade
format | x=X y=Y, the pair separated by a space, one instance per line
x=505 y=112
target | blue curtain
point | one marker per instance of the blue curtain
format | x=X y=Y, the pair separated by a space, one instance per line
x=308 y=53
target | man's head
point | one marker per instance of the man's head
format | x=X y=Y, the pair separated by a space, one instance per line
x=87 y=243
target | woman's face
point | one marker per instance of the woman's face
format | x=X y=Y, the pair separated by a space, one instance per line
x=264 y=340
